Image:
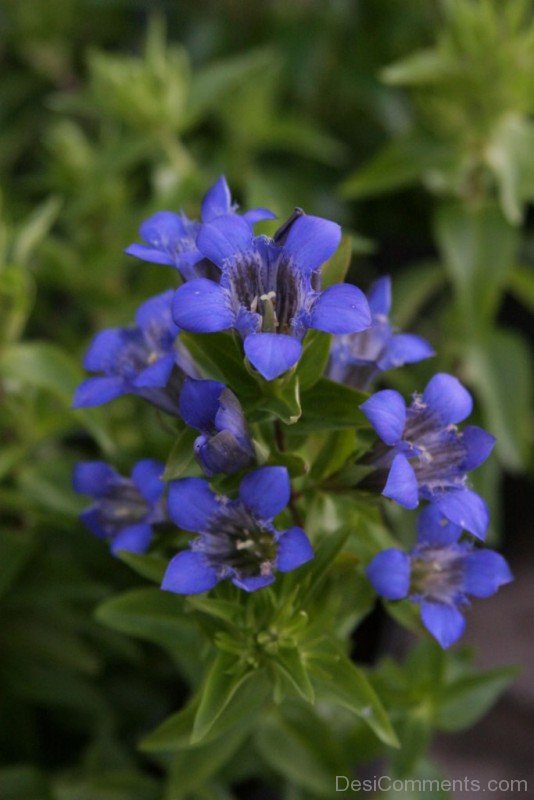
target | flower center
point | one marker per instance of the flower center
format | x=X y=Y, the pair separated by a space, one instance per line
x=122 y=506
x=437 y=573
x=237 y=543
x=269 y=287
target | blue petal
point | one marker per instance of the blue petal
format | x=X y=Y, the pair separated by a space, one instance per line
x=253 y=584
x=188 y=573
x=102 y=353
x=150 y=254
x=156 y=375
x=485 y=571
x=147 y=476
x=389 y=573
x=435 y=529
x=272 y=353
x=201 y=306
x=97 y=391
x=386 y=411
x=266 y=491
x=258 y=215
x=199 y=403
x=311 y=241
x=478 y=444
x=405 y=348
x=191 y=503
x=342 y=308
x=217 y=201
x=379 y=296
x=466 y=509
x=133 y=539
x=294 y=549
x=164 y=230
x=222 y=453
x=224 y=238
x=445 y=622
x=446 y=396
x=92 y=519
x=230 y=415
x=93 y=478
x=401 y=484
x=156 y=313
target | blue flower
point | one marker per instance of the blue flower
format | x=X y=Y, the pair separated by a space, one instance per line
x=427 y=457
x=438 y=574
x=357 y=358
x=268 y=289
x=237 y=538
x=171 y=237
x=124 y=509
x=146 y=360
x=215 y=411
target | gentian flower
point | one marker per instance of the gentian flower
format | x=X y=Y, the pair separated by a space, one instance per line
x=438 y=574
x=171 y=237
x=268 y=289
x=426 y=456
x=224 y=444
x=357 y=358
x=236 y=538
x=146 y=360
x=125 y=508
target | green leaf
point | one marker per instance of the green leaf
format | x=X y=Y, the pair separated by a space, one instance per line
x=47 y=367
x=337 y=266
x=155 y=616
x=412 y=290
x=22 y=782
x=289 y=661
x=337 y=448
x=182 y=455
x=501 y=369
x=17 y=294
x=148 y=566
x=220 y=356
x=467 y=700
x=478 y=247
x=280 y=399
x=349 y=687
x=192 y=768
x=331 y=406
x=34 y=229
x=297 y=744
x=521 y=285
x=16 y=548
x=314 y=358
x=415 y=732
x=421 y=68
x=509 y=154
x=242 y=710
x=221 y=683
x=400 y=163
x=212 y=83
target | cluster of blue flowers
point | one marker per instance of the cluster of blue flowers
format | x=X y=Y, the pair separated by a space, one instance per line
x=269 y=291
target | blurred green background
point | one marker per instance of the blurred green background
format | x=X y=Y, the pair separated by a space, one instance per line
x=409 y=122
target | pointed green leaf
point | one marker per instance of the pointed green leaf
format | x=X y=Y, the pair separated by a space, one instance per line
x=223 y=680
x=467 y=700
x=349 y=687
